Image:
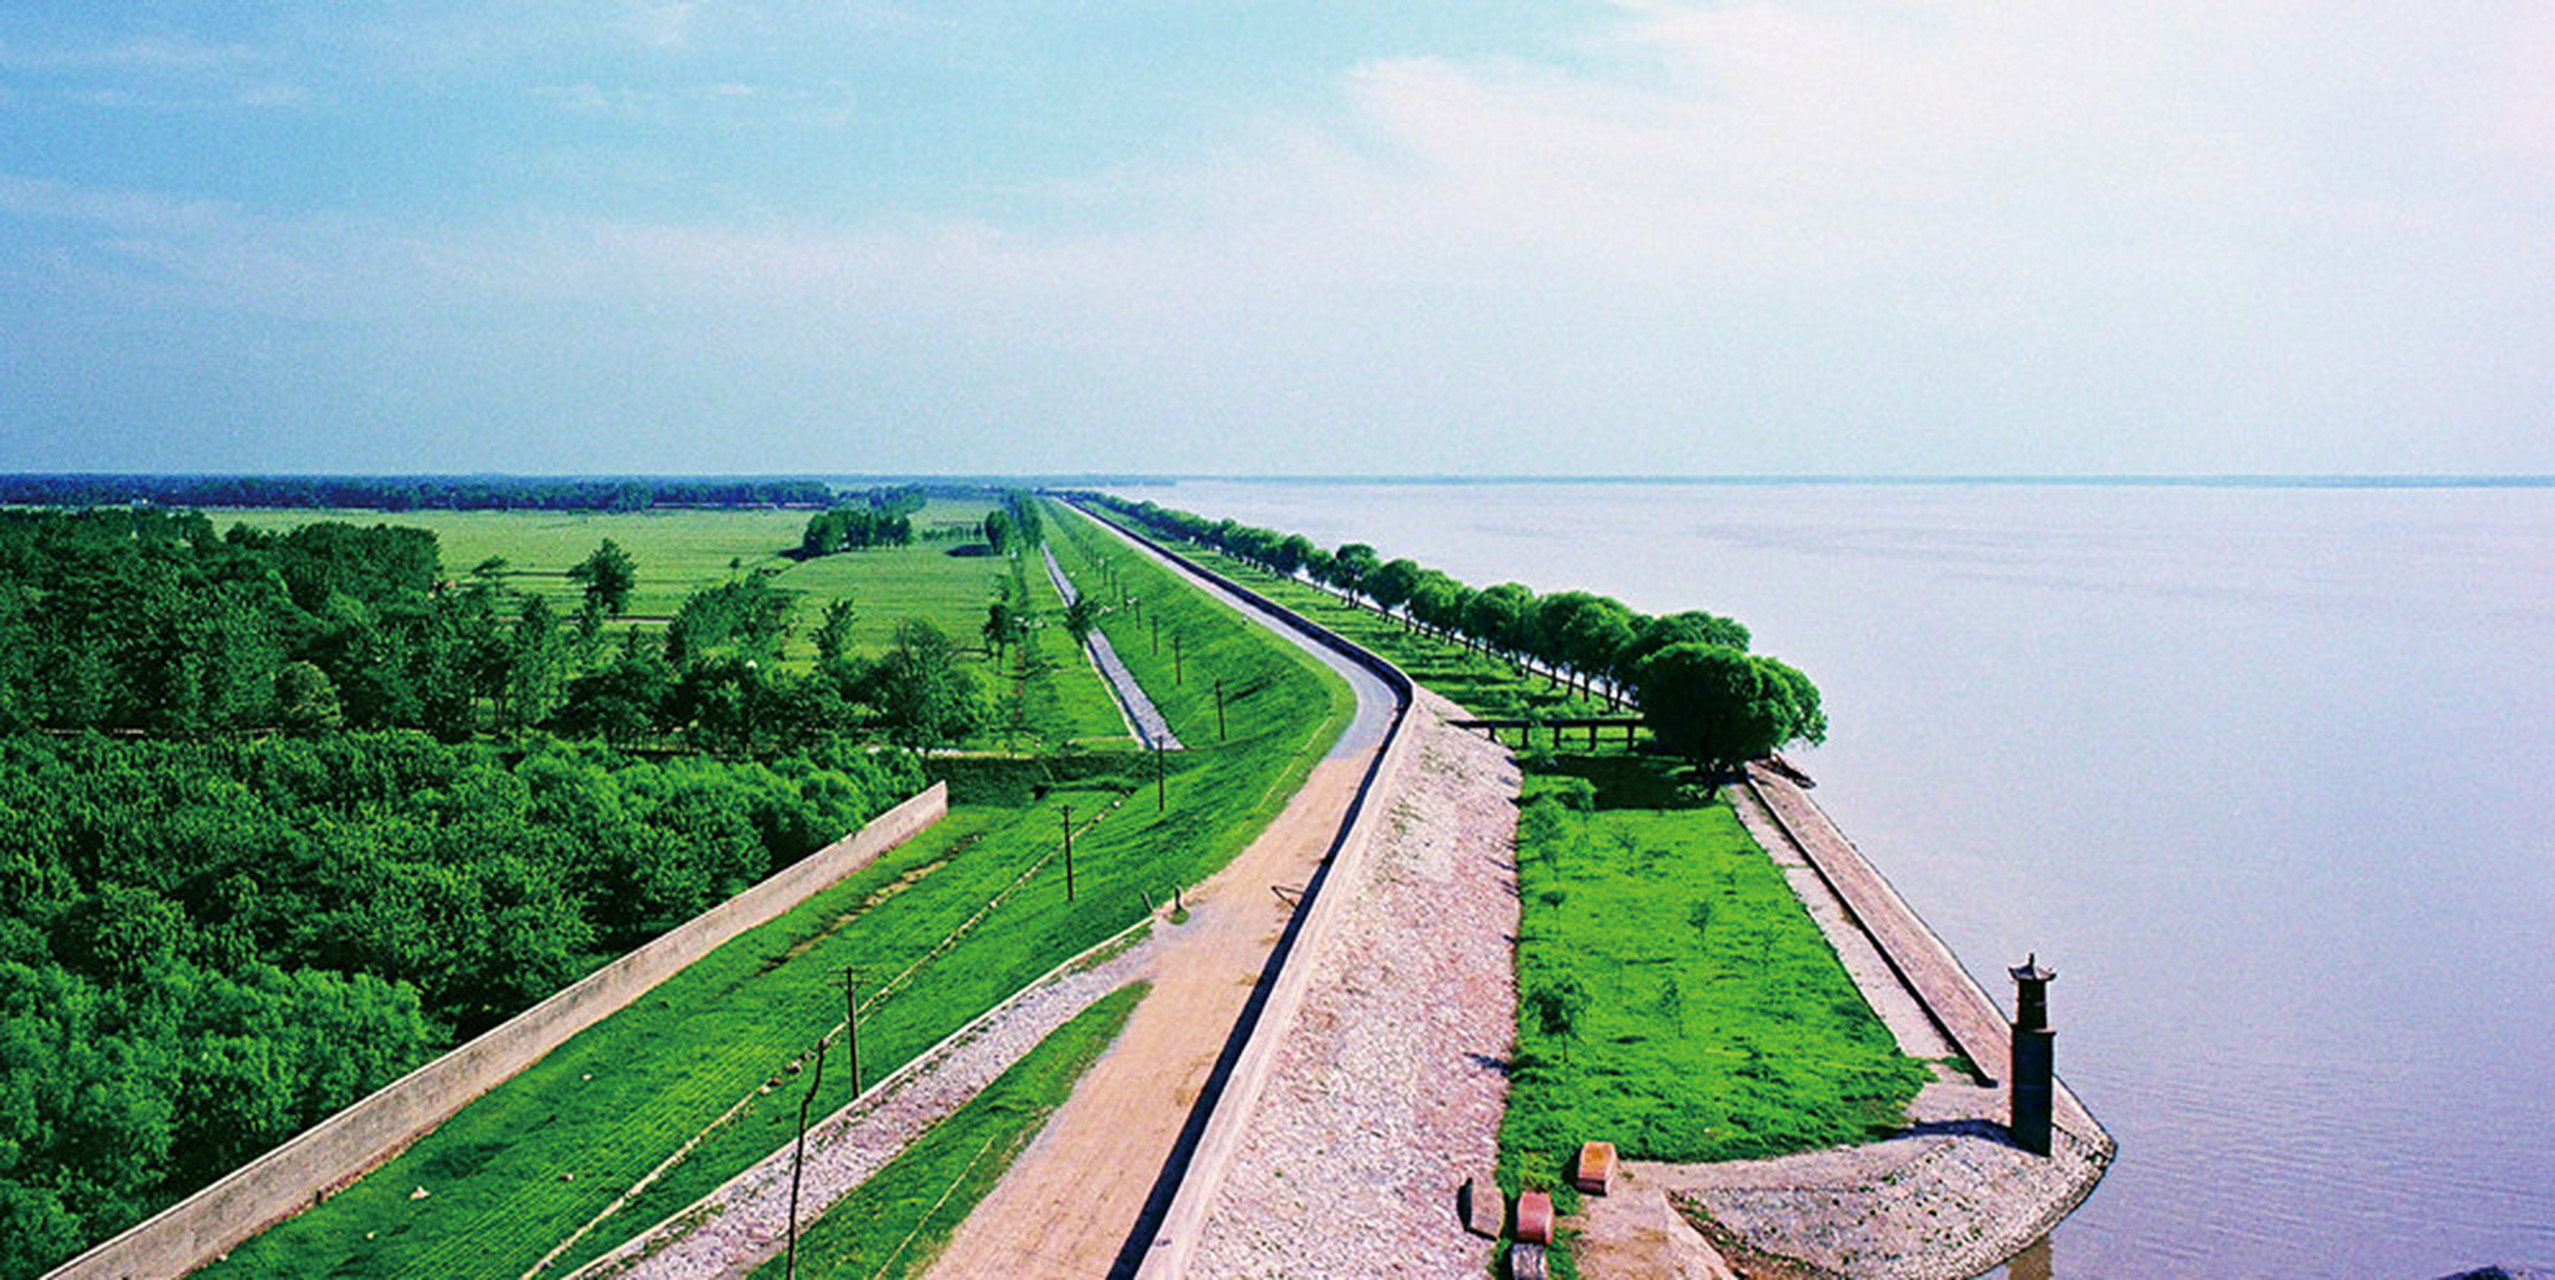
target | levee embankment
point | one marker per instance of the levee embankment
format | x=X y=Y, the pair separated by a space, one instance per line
x=344 y=1147
x=1122 y=1173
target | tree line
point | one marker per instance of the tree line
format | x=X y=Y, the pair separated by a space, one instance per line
x=1700 y=690
x=882 y=517
x=206 y=946
x=413 y=493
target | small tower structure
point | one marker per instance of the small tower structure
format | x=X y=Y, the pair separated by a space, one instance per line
x=2033 y=1076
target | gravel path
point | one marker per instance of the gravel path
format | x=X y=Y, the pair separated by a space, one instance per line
x=1388 y=1092
x=745 y=1223
x=1142 y=716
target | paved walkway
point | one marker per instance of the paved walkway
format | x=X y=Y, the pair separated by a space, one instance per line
x=1143 y=719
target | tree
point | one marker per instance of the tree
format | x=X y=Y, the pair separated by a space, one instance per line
x=997 y=530
x=1003 y=624
x=1722 y=708
x=1694 y=626
x=1390 y=584
x=834 y=633
x=1081 y=616
x=609 y=574
x=1495 y=617
x=305 y=700
x=1558 y=1006
x=920 y=691
x=537 y=670
x=1350 y=565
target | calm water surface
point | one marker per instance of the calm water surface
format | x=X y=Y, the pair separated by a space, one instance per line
x=2267 y=774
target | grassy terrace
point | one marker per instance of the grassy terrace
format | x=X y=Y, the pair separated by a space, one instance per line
x=1718 y=1024
x=939 y=930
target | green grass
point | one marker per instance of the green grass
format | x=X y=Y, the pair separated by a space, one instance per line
x=1046 y=691
x=899 y=1220
x=677 y=551
x=617 y=1099
x=1720 y=1024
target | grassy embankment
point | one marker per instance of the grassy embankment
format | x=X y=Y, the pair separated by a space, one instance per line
x=939 y=931
x=904 y=1215
x=1719 y=1023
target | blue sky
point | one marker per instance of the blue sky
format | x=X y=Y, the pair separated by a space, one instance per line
x=1612 y=238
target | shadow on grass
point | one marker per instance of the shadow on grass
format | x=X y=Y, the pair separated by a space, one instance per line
x=1634 y=781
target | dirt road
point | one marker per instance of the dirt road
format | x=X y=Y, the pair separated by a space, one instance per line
x=1068 y=1204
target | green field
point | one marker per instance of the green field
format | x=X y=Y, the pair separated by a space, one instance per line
x=939 y=930
x=899 y=1220
x=1046 y=693
x=945 y=576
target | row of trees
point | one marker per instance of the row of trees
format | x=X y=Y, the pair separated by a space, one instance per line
x=411 y=493
x=881 y=518
x=1703 y=694
x=206 y=946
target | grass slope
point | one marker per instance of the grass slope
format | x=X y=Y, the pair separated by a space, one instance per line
x=899 y=1220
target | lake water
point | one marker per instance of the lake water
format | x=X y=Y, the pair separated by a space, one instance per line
x=2267 y=774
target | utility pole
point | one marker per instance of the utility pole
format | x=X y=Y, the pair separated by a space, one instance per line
x=798 y=1159
x=1161 y=795
x=1219 y=709
x=1176 y=678
x=1068 y=810
x=852 y=1023
x=1157 y=636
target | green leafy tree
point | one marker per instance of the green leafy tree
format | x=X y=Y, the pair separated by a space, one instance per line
x=1559 y=1007
x=921 y=693
x=834 y=632
x=609 y=575
x=1722 y=708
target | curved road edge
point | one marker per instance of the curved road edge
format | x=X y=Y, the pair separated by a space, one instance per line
x=1175 y=1237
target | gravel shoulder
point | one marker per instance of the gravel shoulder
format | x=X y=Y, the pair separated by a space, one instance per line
x=1388 y=1090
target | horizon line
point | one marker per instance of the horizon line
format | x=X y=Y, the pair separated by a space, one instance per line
x=2332 y=480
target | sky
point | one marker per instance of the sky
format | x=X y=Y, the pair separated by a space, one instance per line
x=1427 y=237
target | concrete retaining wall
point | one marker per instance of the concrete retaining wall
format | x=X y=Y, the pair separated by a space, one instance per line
x=1183 y=1225
x=344 y=1147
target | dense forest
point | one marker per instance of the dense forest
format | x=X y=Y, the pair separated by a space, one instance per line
x=283 y=815
x=412 y=493
x=1702 y=692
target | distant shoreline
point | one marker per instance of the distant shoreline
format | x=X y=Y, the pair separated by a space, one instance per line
x=1132 y=480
